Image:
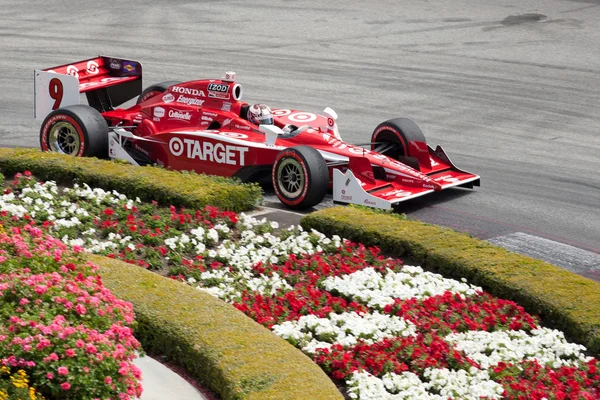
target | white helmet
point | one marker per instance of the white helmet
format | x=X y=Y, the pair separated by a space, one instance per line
x=260 y=114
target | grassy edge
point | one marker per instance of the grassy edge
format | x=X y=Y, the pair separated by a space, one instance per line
x=227 y=351
x=562 y=299
x=147 y=183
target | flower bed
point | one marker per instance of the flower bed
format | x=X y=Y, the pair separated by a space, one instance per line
x=60 y=325
x=382 y=329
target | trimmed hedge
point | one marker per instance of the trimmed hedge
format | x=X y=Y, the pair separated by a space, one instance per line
x=148 y=183
x=562 y=299
x=219 y=345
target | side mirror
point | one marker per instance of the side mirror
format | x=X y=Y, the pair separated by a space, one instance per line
x=271 y=133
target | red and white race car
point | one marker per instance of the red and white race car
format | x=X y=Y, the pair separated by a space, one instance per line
x=202 y=126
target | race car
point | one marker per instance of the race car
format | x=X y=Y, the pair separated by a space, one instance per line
x=203 y=126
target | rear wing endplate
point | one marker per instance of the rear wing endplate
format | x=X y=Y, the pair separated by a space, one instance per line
x=107 y=82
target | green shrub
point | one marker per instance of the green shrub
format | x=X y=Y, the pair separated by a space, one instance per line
x=219 y=345
x=148 y=183
x=562 y=299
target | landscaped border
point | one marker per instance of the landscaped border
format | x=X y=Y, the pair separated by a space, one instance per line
x=227 y=351
x=562 y=299
x=147 y=183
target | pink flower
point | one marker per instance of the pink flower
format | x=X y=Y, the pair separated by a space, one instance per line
x=23 y=301
x=70 y=353
x=108 y=380
x=63 y=371
x=50 y=375
x=80 y=309
x=65 y=386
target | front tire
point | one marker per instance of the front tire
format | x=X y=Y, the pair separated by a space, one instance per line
x=393 y=139
x=300 y=177
x=155 y=90
x=76 y=130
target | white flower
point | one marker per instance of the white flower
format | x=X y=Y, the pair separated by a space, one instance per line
x=312 y=333
x=546 y=346
x=378 y=290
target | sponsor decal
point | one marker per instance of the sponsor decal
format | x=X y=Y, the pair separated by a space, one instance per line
x=330 y=121
x=226 y=107
x=407 y=180
x=227 y=121
x=97 y=83
x=209 y=114
x=346 y=197
x=368 y=174
x=302 y=117
x=207 y=151
x=188 y=91
x=334 y=142
x=369 y=202
x=137 y=119
x=191 y=101
x=128 y=67
x=206 y=118
x=234 y=135
x=73 y=71
x=204 y=123
x=159 y=112
x=428 y=186
x=396 y=193
x=229 y=76
x=433 y=162
x=281 y=112
x=218 y=91
x=114 y=64
x=141 y=149
x=242 y=127
x=447 y=178
x=358 y=150
x=180 y=115
x=219 y=95
x=217 y=87
x=92 y=67
x=168 y=98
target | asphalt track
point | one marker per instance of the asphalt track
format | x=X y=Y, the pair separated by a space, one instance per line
x=510 y=88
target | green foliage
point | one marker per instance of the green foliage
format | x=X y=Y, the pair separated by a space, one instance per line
x=219 y=345
x=147 y=183
x=562 y=299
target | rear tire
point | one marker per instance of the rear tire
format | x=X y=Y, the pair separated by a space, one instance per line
x=154 y=90
x=394 y=136
x=77 y=130
x=300 y=177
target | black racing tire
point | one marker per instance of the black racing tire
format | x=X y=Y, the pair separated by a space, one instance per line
x=395 y=135
x=77 y=130
x=300 y=177
x=153 y=90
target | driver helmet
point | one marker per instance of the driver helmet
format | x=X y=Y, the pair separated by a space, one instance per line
x=260 y=114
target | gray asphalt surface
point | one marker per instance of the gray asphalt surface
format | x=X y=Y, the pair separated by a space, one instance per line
x=510 y=88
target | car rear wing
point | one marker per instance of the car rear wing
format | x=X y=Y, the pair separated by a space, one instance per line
x=106 y=81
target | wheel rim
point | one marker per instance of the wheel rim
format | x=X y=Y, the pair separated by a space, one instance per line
x=290 y=176
x=64 y=138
